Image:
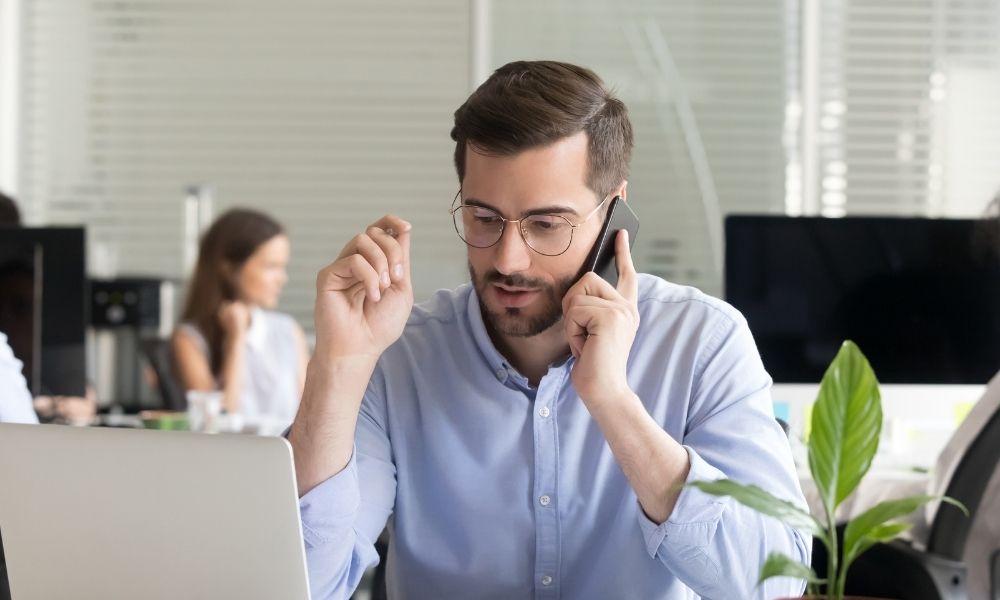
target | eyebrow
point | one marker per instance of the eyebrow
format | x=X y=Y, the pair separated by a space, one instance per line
x=545 y=210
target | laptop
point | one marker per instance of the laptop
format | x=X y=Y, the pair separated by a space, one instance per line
x=97 y=513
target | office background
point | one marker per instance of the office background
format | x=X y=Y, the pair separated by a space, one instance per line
x=328 y=114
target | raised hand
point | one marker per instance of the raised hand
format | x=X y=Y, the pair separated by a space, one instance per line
x=363 y=299
x=601 y=322
x=234 y=318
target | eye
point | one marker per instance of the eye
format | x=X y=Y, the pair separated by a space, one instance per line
x=483 y=216
x=546 y=224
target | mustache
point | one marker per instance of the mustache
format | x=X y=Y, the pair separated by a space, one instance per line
x=514 y=280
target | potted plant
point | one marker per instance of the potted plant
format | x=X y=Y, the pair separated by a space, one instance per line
x=845 y=427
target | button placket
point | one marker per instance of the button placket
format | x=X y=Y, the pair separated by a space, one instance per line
x=546 y=457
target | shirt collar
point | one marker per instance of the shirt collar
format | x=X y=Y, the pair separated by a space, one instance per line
x=497 y=362
x=493 y=357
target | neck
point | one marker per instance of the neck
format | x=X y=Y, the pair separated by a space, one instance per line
x=531 y=356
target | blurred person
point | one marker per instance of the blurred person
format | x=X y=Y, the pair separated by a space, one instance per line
x=17 y=305
x=9 y=214
x=15 y=397
x=230 y=338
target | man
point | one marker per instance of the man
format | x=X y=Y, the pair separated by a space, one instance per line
x=529 y=433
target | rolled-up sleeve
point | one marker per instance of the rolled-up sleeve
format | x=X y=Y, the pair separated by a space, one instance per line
x=343 y=516
x=714 y=544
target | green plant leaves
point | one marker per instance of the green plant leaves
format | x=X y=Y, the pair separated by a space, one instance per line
x=846 y=422
x=870 y=527
x=763 y=502
x=779 y=565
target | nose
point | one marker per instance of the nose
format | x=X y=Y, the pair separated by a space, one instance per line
x=512 y=253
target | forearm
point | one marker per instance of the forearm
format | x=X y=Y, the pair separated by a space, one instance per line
x=717 y=546
x=322 y=435
x=232 y=374
x=654 y=463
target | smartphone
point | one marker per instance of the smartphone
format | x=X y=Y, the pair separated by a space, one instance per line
x=602 y=257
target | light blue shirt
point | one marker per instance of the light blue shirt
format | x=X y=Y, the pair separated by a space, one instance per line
x=15 y=398
x=492 y=489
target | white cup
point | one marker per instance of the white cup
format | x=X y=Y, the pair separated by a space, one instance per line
x=204 y=408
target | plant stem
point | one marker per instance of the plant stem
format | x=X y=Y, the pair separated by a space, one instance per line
x=841 y=582
x=834 y=588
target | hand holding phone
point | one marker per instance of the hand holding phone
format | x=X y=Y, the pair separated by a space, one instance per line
x=602 y=256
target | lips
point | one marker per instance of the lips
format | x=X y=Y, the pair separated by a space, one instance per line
x=511 y=297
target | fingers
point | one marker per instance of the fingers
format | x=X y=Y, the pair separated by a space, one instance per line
x=628 y=281
x=577 y=323
x=395 y=229
x=586 y=315
x=372 y=260
x=392 y=251
x=581 y=316
x=356 y=271
x=372 y=251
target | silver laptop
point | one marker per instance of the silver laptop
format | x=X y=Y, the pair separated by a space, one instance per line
x=112 y=513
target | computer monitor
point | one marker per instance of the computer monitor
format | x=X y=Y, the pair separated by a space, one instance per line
x=921 y=297
x=43 y=307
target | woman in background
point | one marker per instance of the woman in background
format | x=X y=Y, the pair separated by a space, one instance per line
x=230 y=338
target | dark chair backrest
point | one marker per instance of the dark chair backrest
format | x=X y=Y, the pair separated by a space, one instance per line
x=995 y=575
x=950 y=529
x=4 y=584
x=157 y=352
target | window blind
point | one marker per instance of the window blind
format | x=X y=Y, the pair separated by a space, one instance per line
x=908 y=121
x=324 y=114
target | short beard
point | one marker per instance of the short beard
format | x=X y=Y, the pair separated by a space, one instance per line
x=511 y=322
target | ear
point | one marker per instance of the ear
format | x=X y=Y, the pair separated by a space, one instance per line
x=621 y=191
x=227 y=270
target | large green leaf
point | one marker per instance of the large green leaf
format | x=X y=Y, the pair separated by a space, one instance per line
x=869 y=527
x=846 y=422
x=779 y=565
x=881 y=533
x=763 y=502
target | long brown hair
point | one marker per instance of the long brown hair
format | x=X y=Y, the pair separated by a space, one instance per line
x=225 y=247
x=531 y=104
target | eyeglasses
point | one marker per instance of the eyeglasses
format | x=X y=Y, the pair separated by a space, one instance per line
x=482 y=227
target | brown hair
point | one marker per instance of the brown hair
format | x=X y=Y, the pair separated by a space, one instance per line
x=9 y=215
x=527 y=105
x=228 y=243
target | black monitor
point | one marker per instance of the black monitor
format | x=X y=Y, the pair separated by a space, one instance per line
x=920 y=297
x=43 y=308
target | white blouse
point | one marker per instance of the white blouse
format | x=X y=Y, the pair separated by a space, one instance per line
x=270 y=392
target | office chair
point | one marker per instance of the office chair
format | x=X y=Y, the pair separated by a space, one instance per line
x=157 y=352
x=900 y=570
x=995 y=576
x=4 y=584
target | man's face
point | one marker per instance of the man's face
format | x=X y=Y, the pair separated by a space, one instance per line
x=520 y=290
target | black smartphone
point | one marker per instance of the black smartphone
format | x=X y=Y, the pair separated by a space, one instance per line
x=602 y=257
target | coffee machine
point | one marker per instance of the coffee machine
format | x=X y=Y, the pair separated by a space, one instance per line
x=131 y=321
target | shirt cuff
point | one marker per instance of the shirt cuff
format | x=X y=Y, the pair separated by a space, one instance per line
x=330 y=508
x=695 y=515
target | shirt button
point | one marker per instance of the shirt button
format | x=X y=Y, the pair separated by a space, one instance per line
x=501 y=374
x=544 y=412
x=544 y=500
x=546 y=580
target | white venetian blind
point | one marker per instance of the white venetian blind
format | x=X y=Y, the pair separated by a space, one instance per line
x=909 y=91
x=706 y=84
x=325 y=114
